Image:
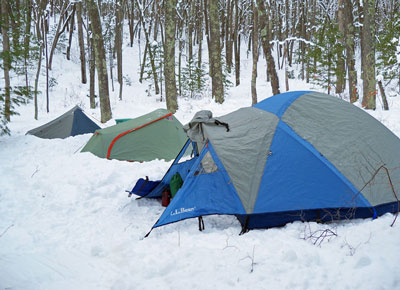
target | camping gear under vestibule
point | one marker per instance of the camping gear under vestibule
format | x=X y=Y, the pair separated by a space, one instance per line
x=156 y=135
x=117 y=121
x=72 y=123
x=296 y=156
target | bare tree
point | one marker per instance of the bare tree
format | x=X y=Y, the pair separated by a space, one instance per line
x=215 y=53
x=169 y=55
x=368 y=55
x=341 y=69
x=60 y=29
x=265 y=40
x=100 y=56
x=5 y=28
x=350 y=44
x=81 y=41
x=236 y=44
x=254 y=39
x=118 y=42
x=71 y=32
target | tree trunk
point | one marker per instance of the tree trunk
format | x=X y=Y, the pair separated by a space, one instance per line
x=302 y=33
x=111 y=63
x=368 y=56
x=286 y=53
x=150 y=52
x=341 y=68
x=383 y=95
x=169 y=56
x=118 y=43
x=265 y=33
x=236 y=44
x=59 y=31
x=92 y=74
x=215 y=53
x=293 y=31
x=207 y=30
x=131 y=21
x=189 y=33
x=15 y=21
x=46 y=49
x=180 y=46
x=199 y=63
x=71 y=31
x=101 y=65
x=27 y=38
x=37 y=80
x=255 y=55
x=5 y=28
x=228 y=36
x=143 y=62
x=351 y=63
x=190 y=30
x=81 y=41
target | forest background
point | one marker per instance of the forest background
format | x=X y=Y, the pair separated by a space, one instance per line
x=350 y=48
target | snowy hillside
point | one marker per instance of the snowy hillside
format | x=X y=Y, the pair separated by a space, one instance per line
x=67 y=223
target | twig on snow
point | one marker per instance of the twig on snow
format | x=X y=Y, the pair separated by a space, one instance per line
x=36 y=171
x=251 y=259
x=227 y=244
x=5 y=231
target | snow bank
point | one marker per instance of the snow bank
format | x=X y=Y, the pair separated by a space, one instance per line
x=67 y=223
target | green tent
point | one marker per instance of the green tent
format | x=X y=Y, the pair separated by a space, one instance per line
x=156 y=135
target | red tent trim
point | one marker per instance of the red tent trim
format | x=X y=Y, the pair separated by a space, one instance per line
x=131 y=130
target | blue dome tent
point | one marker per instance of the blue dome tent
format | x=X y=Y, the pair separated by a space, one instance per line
x=300 y=155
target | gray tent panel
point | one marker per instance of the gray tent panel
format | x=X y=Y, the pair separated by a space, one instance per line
x=335 y=129
x=63 y=126
x=58 y=128
x=243 y=150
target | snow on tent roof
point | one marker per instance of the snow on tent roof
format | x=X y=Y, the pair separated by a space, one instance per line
x=72 y=123
x=156 y=135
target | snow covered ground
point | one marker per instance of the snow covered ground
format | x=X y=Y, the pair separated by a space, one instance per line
x=67 y=223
